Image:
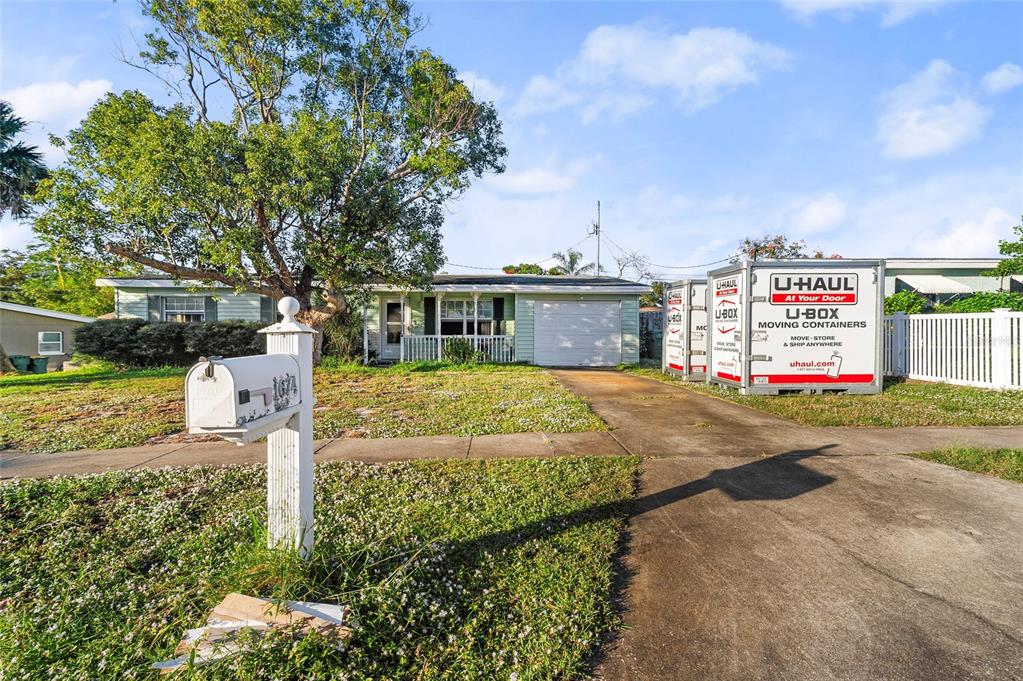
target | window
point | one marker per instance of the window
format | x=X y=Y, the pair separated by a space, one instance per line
x=184 y=309
x=456 y=317
x=51 y=342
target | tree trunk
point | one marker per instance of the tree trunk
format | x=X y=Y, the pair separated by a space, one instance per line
x=5 y=362
x=316 y=319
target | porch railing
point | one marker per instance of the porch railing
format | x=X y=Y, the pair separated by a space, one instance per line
x=498 y=349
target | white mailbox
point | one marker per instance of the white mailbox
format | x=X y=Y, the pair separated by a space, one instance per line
x=243 y=398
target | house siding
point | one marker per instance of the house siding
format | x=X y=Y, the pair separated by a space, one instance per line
x=373 y=325
x=19 y=334
x=132 y=303
x=240 y=306
x=135 y=303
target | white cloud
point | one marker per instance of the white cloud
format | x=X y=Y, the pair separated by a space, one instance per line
x=975 y=234
x=929 y=115
x=619 y=68
x=821 y=214
x=892 y=13
x=1004 y=78
x=956 y=215
x=53 y=107
x=542 y=95
x=482 y=88
x=58 y=104
x=550 y=178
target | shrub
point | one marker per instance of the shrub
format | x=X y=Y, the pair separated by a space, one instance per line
x=111 y=339
x=459 y=351
x=909 y=302
x=342 y=336
x=227 y=339
x=135 y=342
x=985 y=301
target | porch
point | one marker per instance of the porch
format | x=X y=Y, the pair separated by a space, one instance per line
x=420 y=348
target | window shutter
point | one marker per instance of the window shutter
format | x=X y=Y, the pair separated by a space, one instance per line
x=211 y=308
x=498 y=316
x=429 y=316
x=266 y=309
x=155 y=308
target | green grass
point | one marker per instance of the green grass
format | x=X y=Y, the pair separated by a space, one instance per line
x=99 y=407
x=453 y=569
x=1006 y=464
x=902 y=403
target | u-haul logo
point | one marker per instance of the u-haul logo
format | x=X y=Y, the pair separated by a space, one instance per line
x=814 y=289
x=726 y=287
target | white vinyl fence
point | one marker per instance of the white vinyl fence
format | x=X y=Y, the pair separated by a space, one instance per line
x=983 y=349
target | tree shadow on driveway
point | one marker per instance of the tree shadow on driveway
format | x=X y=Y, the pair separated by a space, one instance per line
x=774 y=478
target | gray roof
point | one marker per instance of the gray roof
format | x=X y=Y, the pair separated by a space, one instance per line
x=527 y=279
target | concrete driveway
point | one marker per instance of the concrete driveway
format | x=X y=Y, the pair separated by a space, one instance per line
x=758 y=549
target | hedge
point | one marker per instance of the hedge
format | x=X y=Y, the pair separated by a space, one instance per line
x=136 y=342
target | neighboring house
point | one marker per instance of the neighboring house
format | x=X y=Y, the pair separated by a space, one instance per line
x=33 y=331
x=161 y=299
x=944 y=279
x=537 y=319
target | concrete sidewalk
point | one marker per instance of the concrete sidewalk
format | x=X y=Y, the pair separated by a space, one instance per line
x=14 y=465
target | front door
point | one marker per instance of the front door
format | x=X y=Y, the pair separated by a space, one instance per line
x=390 y=330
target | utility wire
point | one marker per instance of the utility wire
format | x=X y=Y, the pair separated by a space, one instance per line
x=666 y=267
x=501 y=269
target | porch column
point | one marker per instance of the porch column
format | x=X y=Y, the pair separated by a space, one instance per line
x=401 y=340
x=440 y=338
x=365 y=333
x=476 y=321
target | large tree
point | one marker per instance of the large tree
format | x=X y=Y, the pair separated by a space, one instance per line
x=21 y=165
x=53 y=278
x=310 y=151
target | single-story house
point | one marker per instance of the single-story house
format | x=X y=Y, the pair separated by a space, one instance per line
x=538 y=319
x=161 y=299
x=33 y=331
x=944 y=279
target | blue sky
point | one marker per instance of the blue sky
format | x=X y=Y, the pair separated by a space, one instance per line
x=865 y=128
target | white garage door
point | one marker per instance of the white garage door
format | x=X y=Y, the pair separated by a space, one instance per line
x=577 y=334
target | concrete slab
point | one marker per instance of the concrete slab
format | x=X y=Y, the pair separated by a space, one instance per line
x=394 y=449
x=585 y=444
x=81 y=462
x=655 y=419
x=512 y=446
x=812 y=566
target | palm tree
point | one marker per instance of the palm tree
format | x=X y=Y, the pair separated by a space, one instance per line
x=570 y=263
x=21 y=165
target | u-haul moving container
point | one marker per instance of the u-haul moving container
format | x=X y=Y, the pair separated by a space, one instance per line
x=684 y=349
x=806 y=325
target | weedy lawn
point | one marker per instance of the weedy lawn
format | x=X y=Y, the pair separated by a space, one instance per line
x=902 y=403
x=100 y=407
x=1006 y=464
x=453 y=569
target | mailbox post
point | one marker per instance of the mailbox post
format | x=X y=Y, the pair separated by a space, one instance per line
x=245 y=398
x=289 y=450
